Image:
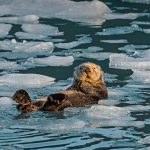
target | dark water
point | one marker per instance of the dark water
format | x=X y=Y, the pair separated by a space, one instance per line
x=121 y=46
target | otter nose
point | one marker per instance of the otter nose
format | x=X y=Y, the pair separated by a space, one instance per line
x=87 y=70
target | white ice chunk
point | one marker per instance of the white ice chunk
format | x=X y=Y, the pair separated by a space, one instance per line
x=146 y=140
x=130 y=16
x=25 y=80
x=146 y=31
x=35 y=48
x=82 y=40
x=122 y=61
x=41 y=29
x=120 y=30
x=89 y=12
x=138 y=1
x=50 y=61
x=115 y=41
x=5 y=101
x=4 y=29
x=29 y=36
x=20 y=20
x=10 y=65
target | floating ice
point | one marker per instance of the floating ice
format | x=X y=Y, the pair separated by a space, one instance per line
x=89 y=12
x=138 y=1
x=115 y=41
x=82 y=40
x=130 y=16
x=120 y=30
x=146 y=31
x=29 y=36
x=4 y=29
x=122 y=61
x=20 y=20
x=25 y=80
x=5 y=101
x=50 y=61
x=10 y=65
x=146 y=140
x=41 y=29
x=34 y=48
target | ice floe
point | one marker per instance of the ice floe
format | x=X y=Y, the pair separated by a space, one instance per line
x=145 y=140
x=89 y=12
x=120 y=30
x=115 y=41
x=25 y=81
x=82 y=40
x=4 y=29
x=50 y=61
x=10 y=65
x=5 y=101
x=32 y=48
x=123 y=61
x=20 y=19
x=138 y=1
x=41 y=29
x=29 y=36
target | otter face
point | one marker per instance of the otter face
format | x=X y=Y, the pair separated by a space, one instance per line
x=88 y=72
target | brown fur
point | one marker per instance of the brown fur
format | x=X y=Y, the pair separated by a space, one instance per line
x=88 y=88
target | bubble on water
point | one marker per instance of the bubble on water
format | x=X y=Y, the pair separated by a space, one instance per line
x=123 y=61
x=50 y=61
x=4 y=29
x=41 y=29
x=120 y=30
x=19 y=81
x=20 y=19
x=68 y=10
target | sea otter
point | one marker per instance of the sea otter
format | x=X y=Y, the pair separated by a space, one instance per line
x=88 y=88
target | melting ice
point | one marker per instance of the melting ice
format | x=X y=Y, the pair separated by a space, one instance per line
x=4 y=29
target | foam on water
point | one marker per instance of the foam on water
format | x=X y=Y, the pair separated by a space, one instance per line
x=41 y=29
x=120 y=30
x=32 y=48
x=20 y=19
x=123 y=61
x=25 y=80
x=50 y=61
x=65 y=9
x=4 y=29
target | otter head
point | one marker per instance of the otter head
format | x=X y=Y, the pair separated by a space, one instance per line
x=21 y=97
x=89 y=72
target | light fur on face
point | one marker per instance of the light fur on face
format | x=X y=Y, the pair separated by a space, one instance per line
x=88 y=72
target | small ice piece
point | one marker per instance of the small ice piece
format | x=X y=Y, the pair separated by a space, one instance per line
x=20 y=19
x=4 y=29
x=51 y=61
x=35 y=48
x=10 y=65
x=120 y=30
x=70 y=45
x=142 y=76
x=141 y=22
x=130 y=16
x=25 y=81
x=146 y=31
x=29 y=36
x=122 y=61
x=138 y=1
x=146 y=140
x=5 y=101
x=115 y=41
x=41 y=29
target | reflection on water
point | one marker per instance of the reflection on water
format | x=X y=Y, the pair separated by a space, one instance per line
x=39 y=41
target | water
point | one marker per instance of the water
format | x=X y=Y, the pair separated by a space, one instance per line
x=51 y=42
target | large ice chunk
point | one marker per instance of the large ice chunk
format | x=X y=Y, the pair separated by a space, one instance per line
x=4 y=29
x=35 y=48
x=41 y=29
x=50 y=61
x=89 y=12
x=25 y=80
x=122 y=61
x=20 y=20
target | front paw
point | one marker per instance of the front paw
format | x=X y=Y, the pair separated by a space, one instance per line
x=56 y=98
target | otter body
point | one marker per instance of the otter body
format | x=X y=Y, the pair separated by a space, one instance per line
x=88 y=88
